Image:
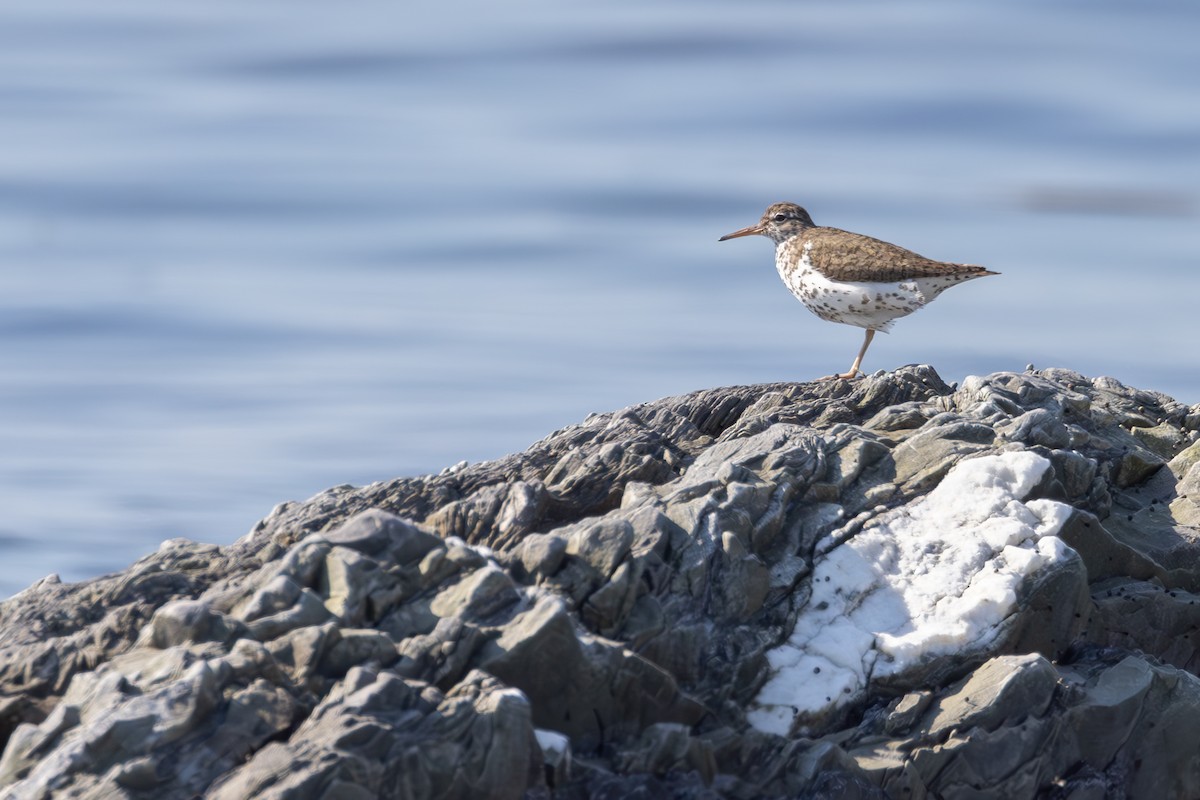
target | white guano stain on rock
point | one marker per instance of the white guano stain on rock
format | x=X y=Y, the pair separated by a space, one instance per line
x=936 y=577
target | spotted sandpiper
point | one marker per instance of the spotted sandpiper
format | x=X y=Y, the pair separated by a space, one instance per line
x=850 y=278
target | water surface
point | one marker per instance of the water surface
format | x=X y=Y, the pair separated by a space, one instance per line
x=250 y=251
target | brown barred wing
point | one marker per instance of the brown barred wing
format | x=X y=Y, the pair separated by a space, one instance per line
x=844 y=256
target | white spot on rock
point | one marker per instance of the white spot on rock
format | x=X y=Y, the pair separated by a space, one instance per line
x=936 y=577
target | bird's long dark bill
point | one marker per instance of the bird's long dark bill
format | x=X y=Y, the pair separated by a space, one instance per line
x=751 y=231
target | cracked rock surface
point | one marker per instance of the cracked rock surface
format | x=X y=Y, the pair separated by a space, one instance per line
x=882 y=588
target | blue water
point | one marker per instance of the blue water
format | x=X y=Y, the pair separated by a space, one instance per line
x=252 y=250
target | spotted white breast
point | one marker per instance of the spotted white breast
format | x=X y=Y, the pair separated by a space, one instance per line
x=866 y=304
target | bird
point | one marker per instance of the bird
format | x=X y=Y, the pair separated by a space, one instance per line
x=851 y=278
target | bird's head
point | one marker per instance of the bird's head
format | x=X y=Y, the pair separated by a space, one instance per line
x=779 y=223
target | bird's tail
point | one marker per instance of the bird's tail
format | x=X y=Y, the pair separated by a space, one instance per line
x=975 y=269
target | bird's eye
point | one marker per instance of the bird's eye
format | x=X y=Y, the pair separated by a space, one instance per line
x=780 y=217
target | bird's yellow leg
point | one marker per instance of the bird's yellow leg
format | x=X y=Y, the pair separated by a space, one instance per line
x=854 y=368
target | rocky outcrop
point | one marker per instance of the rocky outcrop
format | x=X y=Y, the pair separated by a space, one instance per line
x=883 y=588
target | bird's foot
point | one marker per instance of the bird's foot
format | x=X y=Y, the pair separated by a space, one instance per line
x=846 y=376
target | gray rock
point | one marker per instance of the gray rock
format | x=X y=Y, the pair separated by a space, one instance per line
x=28 y=743
x=308 y=610
x=603 y=545
x=346 y=580
x=351 y=648
x=1164 y=439
x=556 y=756
x=443 y=655
x=666 y=747
x=1005 y=689
x=540 y=554
x=298 y=653
x=584 y=687
x=597 y=616
x=381 y=535
x=1140 y=615
x=923 y=459
x=998 y=735
x=377 y=735
x=478 y=595
x=905 y=711
x=1136 y=466
x=126 y=739
x=184 y=621
x=606 y=609
x=443 y=562
x=1037 y=427
x=498 y=514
